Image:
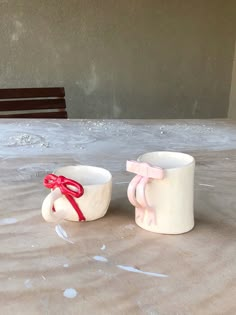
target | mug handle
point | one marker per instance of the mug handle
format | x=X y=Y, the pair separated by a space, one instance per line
x=131 y=191
x=143 y=200
x=47 y=207
x=144 y=172
x=141 y=187
x=138 y=182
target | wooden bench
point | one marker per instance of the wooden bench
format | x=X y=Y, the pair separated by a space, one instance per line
x=33 y=103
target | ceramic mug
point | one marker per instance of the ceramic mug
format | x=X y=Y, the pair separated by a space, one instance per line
x=78 y=193
x=163 y=191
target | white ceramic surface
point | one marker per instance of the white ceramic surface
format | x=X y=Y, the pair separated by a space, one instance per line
x=171 y=198
x=97 y=184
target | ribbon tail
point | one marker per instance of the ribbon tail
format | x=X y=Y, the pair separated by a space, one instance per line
x=77 y=209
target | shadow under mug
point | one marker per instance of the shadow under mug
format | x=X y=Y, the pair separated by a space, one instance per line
x=78 y=193
x=163 y=191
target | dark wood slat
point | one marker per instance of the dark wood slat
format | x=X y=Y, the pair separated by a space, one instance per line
x=32 y=92
x=35 y=100
x=32 y=104
x=59 y=114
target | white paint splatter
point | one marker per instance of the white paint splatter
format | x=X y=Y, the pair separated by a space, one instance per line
x=66 y=265
x=100 y=258
x=207 y=185
x=28 y=284
x=103 y=247
x=7 y=221
x=24 y=139
x=132 y=269
x=62 y=233
x=70 y=293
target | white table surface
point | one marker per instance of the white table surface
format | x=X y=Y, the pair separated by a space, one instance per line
x=38 y=267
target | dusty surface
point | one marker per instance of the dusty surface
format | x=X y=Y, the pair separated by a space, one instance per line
x=111 y=266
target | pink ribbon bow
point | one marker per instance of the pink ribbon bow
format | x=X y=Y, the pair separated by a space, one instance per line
x=53 y=181
x=145 y=172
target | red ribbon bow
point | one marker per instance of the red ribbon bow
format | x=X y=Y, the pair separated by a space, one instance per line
x=53 y=181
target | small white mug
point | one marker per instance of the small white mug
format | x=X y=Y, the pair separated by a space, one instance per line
x=78 y=193
x=163 y=191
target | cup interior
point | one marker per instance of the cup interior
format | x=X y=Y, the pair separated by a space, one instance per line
x=85 y=175
x=167 y=160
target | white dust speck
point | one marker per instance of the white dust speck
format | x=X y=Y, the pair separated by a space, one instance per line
x=132 y=269
x=62 y=233
x=103 y=247
x=7 y=221
x=66 y=265
x=43 y=277
x=100 y=258
x=28 y=284
x=70 y=293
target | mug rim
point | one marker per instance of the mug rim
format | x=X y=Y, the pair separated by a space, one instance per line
x=169 y=153
x=61 y=171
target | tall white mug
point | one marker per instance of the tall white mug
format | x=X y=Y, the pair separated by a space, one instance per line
x=163 y=191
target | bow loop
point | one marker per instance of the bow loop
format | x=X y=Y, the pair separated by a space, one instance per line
x=68 y=187
x=50 y=180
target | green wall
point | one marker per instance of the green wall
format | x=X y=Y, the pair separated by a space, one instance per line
x=123 y=58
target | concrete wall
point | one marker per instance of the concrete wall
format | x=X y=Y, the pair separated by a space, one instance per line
x=122 y=58
x=232 y=105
